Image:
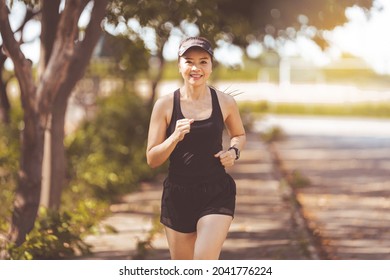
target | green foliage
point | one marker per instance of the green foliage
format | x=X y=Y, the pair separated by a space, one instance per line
x=59 y=235
x=250 y=112
x=375 y=110
x=162 y=15
x=298 y=180
x=55 y=235
x=9 y=163
x=273 y=134
x=239 y=22
x=121 y=56
x=106 y=157
x=144 y=246
x=107 y=154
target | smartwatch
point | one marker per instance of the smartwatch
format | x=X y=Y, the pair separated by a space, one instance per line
x=236 y=150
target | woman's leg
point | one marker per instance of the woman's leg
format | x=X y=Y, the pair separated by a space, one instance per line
x=181 y=245
x=211 y=233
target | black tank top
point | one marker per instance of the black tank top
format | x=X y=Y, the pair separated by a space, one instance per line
x=193 y=157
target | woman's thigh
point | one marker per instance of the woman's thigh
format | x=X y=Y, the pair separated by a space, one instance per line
x=181 y=245
x=211 y=233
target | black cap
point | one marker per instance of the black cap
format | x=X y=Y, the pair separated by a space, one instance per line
x=195 y=42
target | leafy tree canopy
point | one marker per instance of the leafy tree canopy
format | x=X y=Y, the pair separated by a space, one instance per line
x=239 y=22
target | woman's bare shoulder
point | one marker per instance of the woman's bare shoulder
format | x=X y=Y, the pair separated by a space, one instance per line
x=226 y=99
x=164 y=104
x=163 y=107
x=165 y=100
x=227 y=103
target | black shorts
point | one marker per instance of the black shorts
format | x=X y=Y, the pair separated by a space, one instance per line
x=182 y=205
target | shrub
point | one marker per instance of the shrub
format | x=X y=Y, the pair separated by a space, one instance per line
x=273 y=134
x=9 y=164
x=59 y=235
x=106 y=158
x=107 y=154
x=298 y=180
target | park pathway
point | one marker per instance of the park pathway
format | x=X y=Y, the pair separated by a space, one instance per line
x=346 y=164
x=266 y=224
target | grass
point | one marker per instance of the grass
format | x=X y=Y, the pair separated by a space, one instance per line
x=371 y=110
x=255 y=70
x=273 y=134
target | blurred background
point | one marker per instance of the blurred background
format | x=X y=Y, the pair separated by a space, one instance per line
x=310 y=77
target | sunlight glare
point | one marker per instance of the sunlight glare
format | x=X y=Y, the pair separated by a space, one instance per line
x=365 y=37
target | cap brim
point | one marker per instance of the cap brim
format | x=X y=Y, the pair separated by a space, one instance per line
x=186 y=48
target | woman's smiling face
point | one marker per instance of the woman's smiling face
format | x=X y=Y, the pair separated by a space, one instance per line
x=195 y=66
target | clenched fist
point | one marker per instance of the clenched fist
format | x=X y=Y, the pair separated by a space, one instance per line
x=227 y=158
x=183 y=127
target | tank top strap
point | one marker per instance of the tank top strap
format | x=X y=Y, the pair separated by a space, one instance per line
x=217 y=112
x=176 y=113
x=176 y=104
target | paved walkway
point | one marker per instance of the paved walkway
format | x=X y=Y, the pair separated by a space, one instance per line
x=266 y=224
x=347 y=200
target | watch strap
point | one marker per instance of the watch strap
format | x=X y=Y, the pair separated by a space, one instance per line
x=237 y=151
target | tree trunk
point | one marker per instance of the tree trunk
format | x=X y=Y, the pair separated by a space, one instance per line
x=157 y=79
x=44 y=105
x=29 y=177
x=5 y=106
x=49 y=22
x=29 y=181
x=37 y=103
x=57 y=159
x=4 y=102
x=54 y=159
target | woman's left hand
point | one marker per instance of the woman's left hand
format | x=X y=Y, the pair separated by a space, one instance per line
x=227 y=158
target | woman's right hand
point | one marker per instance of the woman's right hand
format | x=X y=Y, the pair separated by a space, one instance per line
x=183 y=127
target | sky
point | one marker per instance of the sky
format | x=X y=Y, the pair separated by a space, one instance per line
x=366 y=38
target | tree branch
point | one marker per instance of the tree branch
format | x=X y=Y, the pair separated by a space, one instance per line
x=62 y=53
x=49 y=23
x=23 y=66
x=85 y=48
x=68 y=25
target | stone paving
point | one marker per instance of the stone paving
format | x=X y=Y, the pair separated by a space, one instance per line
x=266 y=224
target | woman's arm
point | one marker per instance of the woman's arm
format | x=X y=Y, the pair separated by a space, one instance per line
x=234 y=127
x=159 y=147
